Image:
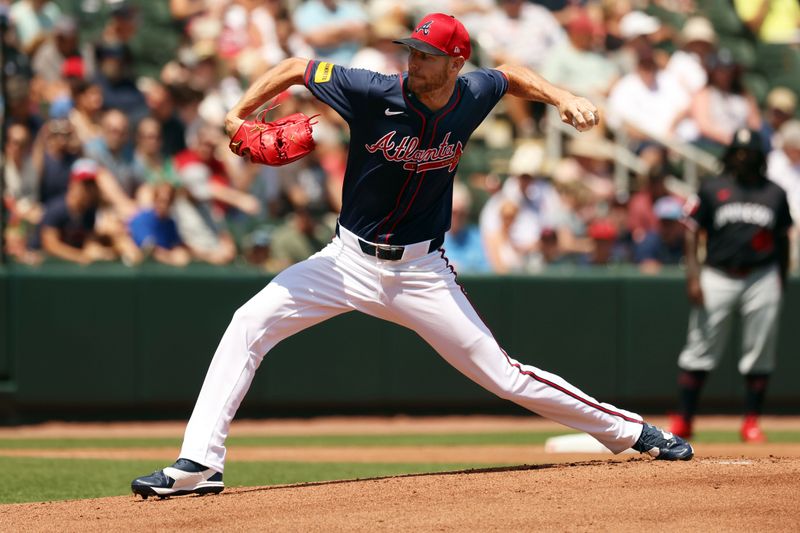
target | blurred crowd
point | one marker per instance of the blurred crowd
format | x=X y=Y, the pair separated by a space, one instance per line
x=105 y=163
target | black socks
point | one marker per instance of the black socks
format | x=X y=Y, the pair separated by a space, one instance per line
x=755 y=390
x=690 y=383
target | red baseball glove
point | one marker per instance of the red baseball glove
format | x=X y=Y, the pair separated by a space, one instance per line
x=274 y=143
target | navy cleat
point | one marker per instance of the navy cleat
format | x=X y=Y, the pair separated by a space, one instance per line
x=184 y=477
x=663 y=445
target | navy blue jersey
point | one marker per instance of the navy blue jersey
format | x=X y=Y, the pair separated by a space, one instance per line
x=398 y=187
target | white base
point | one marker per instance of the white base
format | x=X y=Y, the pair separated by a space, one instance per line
x=576 y=443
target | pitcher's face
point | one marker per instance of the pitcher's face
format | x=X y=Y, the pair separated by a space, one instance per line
x=427 y=72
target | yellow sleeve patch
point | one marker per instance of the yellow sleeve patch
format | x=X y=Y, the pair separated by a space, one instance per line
x=323 y=72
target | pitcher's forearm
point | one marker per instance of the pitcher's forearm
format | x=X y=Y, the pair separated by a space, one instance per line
x=525 y=83
x=269 y=85
x=575 y=110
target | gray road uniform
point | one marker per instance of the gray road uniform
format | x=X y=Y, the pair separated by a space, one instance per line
x=743 y=223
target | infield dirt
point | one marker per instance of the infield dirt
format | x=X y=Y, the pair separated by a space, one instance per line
x=726 y=488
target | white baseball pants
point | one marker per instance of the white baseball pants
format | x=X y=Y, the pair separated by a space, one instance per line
x=419 y=292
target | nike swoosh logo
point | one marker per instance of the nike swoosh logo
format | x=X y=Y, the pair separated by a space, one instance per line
x=186 y=479
x=389 y=113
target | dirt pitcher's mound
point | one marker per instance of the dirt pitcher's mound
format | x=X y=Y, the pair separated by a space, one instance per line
x=706 y=494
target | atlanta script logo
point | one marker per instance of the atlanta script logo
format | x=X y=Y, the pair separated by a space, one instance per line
x=407 y=151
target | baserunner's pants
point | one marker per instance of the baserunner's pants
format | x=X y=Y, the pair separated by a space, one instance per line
x=757 y=299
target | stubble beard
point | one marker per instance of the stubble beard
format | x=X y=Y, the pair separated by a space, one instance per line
x=433 y=82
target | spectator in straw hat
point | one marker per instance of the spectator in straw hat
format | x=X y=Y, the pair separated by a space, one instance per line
x=697 y=40
x=594 y=155
x=535 y=197
x=780 y=107
x=638 y=31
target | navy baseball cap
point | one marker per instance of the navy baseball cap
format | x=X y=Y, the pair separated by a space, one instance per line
x=440 y=35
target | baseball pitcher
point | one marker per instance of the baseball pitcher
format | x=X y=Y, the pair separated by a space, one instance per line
x=408 y=133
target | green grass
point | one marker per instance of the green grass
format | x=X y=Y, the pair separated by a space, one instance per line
x=725 y=437
x=32 y=479
x=41 y=479
x=305 y=441
x=317 y=441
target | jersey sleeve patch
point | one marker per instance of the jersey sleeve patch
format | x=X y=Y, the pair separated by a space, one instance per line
x=343 y=89
x=323 y=72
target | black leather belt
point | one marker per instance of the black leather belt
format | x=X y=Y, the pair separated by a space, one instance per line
x=738 y=272
x=388 y=252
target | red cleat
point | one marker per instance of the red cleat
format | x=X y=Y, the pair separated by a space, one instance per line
x=680 y=426
x=751 y=432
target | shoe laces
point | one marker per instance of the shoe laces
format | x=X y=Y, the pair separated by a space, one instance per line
x=653 y=437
